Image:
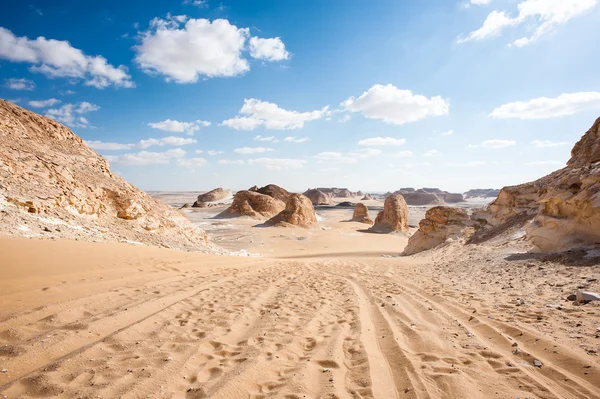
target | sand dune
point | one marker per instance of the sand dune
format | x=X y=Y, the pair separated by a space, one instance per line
x=114 y=320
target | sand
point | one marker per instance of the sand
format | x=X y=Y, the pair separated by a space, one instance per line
x=327 y=312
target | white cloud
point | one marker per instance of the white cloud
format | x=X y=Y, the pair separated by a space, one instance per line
x=185 y=50
x=549 y=143
x=412 y=165
x=345 y=118
x=17 y=84
x=100 y=145
x=543 y=15
x=255 y=150
x=365 y=153
x=56 y=58
x=271 y=116
x=231 y=162
x=170 y=125
x=404 y=154
x=393 y=105
x=381 y=141
x=191 y=162
x=213 y=152
x=351 y=157
x=541 y=163
x=146 y=157
x=431 y=153
x=197 y=3
x=480 y=2
x=543 y=108
x=272 y=139
x=43 y=103
x=171 y=140
x=448 y=133
x=66 y=92
x=494 y=144
x=268 y=49
x=278 y=163
x=470 y=164
x=297 y=140
x=71 y=114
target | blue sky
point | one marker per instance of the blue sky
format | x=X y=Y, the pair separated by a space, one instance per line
x=190 y=94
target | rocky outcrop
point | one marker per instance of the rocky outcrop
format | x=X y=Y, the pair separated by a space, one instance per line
x=199 y=204
x=420 y=198
x=253 y=188
x=394 y=216
x=451 y=198
x=254 y=205
x=318 y=197
x=361 y=214
x=367 y=197
x=336 y=192
x=564 y=207
x=298 y=211
x=275 y=191
x=52 y=184
x=440 y=224
x=482 y=193
x=217 y=194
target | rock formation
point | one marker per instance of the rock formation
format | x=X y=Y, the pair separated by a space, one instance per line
x=346 y=204
x=254 y=205
x=199 y=204
x=429 y=196
x=275 y=191
x=253 y=188
x=217 y=194
x=440 y=224
x=361 y=214
x=318 y=197
x=482 y=193
x=394 y=216
x=298 y=211
x=337 y=192
x=367 y=197
x=52 y=184
x=564 y=206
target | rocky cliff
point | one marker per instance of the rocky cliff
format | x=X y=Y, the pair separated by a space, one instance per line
x=53 y=185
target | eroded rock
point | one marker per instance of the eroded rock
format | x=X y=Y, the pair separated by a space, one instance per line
x=440 y=224
x=394 y=216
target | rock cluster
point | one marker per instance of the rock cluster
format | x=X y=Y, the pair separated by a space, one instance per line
x=50 y=181
x=318 y=197
x=336 y=192
x=361 y=214
x=217 y=194
x=253 y=204
x=428 y=196
x=298 y=211
x=440 y=224
x=394 y=216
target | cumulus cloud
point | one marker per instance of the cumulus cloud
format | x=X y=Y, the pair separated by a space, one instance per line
x=170 y=125
x=543 y=108
x=431 y=153
x=72 y=114
x=146 y=157
x=447 y=133
x=494 y=144
x=56 y=58
x=213 y=152
x=549 y=143
x=250 y=150
x=544 y=15
x=43 y=103
x=191 y=162
x=231 y=162
x=171 y=140
x=404 y=154
x=268 y=49
x=258 y=113
x=396 y=106
x=278 y=163
x=184 y=50
x=18 y=84
x=271 y=139
x=350 y=157
x=101 y=145
x=297 y=140
x=381 y=141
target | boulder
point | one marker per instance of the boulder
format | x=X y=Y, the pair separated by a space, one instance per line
x=253 y=188
x=367 y=197
x=217 y=194
x=47 y=172
x=346 y=204
x=564 y=206
x=298 y=211
x=199 y=204
x=275 y=191
x=254 y=205
x=451 y=198
x=361 y=214
x=318 y=197
x=440 y=224
x=394 y=216
x=184 y=206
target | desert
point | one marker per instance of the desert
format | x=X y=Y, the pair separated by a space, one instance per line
x=299 y=200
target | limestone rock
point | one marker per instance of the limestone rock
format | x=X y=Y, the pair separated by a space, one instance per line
x=253 y=188
x=254 y=205
x=422 y=198
x=298 y=211
x=275 y=191
x=394 y=216
x=217 y=194
x=440 y=223
x=367 y=197
x=47 y=173
x=199 y=204
x=361 y=214
x=482 y=193
x=318 y=197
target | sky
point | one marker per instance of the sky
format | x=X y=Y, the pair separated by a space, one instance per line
x=373 y=96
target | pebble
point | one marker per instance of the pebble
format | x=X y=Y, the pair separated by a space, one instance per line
x=4 y=371
x=325 y=370
x=516 y=351
x=537 y=363
x=168 y=359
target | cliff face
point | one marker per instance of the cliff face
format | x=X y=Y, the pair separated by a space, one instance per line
x=564 y=207
x=52 y=184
